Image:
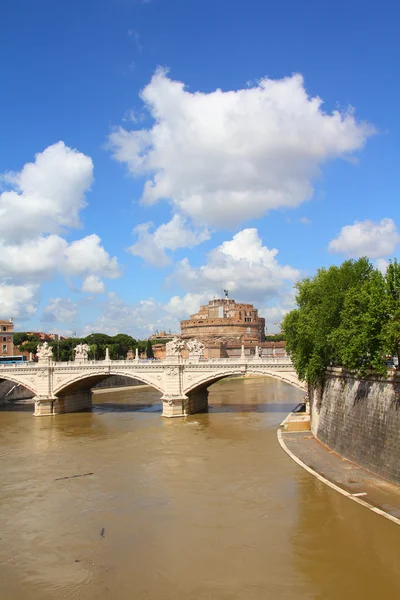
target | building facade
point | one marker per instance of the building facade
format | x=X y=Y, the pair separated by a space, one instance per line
x=7 y=338
x=225 y=321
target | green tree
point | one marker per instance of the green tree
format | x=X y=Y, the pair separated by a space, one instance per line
x=391 y=330
x=29 y=346
x=149 y=350
x=358 y=340
x=121 y=343
x=310 y=329
x=20 y=337
x=279 y=337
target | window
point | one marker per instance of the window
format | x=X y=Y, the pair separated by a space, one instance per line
x=4 y=339
x=4 y=328
x=4 y=348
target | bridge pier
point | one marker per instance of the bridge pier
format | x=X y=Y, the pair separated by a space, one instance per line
x=72 y=402
x=182 y=406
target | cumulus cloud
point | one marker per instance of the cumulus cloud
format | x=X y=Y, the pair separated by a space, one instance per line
x=139 y=320
x=243 y=265
x=43 y=199
x=152 y=246
x=93 y=285
x=367 y=238
x=33 y=260
x=88 y=256
x=40 y=259
x=225 y=157
x=19 y=301
x=182 y=307
x=249 y=270
x=46 y=195
x=275 y=313
x=60 y=310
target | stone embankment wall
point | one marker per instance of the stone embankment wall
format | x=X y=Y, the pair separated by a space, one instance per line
x=360 y=420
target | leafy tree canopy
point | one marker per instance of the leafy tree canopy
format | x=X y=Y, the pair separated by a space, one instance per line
x=347 y=315
x=279 y=337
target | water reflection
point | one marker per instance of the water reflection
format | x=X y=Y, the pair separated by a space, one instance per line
x=207 y=507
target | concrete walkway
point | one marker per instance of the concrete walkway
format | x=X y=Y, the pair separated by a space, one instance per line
x=361 y=486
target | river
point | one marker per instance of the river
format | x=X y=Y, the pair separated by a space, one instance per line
x=203 y=508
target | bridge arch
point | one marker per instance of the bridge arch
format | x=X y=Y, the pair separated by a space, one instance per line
x=86 y=381
x=18 y=381
x=206 y=381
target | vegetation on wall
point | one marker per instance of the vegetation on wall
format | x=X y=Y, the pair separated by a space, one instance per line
x=348 y=316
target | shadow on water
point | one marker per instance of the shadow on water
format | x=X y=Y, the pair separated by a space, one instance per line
x=252 y=407
x=127 y=407
x=17 y=407
x=214 y=407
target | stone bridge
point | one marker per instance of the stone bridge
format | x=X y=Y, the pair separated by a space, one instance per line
x=60 y=387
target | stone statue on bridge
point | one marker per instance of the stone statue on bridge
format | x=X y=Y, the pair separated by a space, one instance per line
x=174 y=347
x=196 y=349
x=44 y=351
x=81 y=351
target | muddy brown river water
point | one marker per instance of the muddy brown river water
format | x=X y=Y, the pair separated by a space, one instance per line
x=205 y=508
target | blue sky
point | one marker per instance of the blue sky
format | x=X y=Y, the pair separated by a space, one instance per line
x=252 y=183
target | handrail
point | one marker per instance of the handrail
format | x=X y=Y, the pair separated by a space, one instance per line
x=248 y=360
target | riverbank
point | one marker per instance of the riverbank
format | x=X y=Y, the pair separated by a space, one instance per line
x=354 y=482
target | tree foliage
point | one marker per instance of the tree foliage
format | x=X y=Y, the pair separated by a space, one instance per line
x=279 y=337
x=63 y=350
x=347 y=315
x=149 y=349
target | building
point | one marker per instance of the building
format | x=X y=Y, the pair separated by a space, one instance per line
x=163 y=335
x=7 y=337
x=46 y=337
x=224 y=321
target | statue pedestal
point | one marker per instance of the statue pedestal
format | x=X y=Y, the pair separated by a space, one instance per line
x=175 y=359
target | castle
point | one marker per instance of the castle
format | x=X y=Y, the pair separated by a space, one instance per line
x=226 y=321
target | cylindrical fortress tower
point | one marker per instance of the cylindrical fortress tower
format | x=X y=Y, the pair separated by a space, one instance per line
x=225 y=319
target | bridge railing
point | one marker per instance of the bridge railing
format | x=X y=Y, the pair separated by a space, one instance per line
x=183 y=361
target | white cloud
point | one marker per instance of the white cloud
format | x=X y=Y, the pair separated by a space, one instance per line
x=139 y=320
x=367 y=238
x=40 y=259
x=305 y=221
x=18 y=301
x=151 y=246
x=274 y=314
x=382 y=265
x=33 y=260
x=225 y=157
x=93 y=285
x=47 y=194
x=243 y=266
x=181 y=307
x=60 y=310
x=88 y=256
x=46 y=197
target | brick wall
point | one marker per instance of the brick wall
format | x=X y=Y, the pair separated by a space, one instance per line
x=360 y=420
